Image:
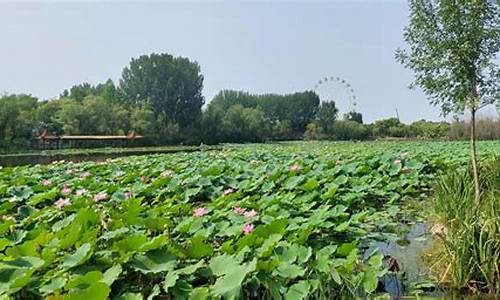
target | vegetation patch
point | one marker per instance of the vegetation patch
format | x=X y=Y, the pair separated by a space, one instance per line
x=256 y=221
x=468 y=257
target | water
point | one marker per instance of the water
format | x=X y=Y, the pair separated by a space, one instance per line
x=403 y=257
x=39 y=158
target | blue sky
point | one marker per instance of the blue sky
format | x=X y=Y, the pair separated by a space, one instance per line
x=256 y=46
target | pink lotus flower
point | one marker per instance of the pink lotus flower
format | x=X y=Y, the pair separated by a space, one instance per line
x=167 y=173
x=46 y=182
x=248 y=228
x=62 y=203
x=239 y=210
x=250 y=214
x=228 y=191
x=101 y=196
x=66 y=190
x=129 y=194
x=397 y=162
x=294 y=167
x=143 y=178
x=80 y=192
x=255 y=162
x=200 y=212
x=85 y=174
x=70 y=171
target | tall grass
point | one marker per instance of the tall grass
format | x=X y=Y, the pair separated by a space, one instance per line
x=486 y=129
x=469 y=256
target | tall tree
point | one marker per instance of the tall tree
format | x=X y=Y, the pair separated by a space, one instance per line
x=354 y=116
x=290 y=110
x=108 y=91
x=326 y=116
x=16 y=119
x=452 y=51
x=170 y=85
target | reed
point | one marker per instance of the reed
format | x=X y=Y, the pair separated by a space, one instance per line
x=469 y=255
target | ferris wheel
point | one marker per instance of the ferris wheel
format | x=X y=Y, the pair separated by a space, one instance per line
x=338 y=90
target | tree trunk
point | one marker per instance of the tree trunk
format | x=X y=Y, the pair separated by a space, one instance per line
x=475 y=169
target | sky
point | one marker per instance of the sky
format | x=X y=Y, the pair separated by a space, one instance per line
x=255 y=46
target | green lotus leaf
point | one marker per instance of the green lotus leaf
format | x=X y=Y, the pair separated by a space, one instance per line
x=154 y=262
x=79 y=257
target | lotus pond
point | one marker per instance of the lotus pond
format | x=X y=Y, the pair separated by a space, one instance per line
x=280 y=221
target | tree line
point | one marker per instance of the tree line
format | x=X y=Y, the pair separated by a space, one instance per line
x=160 y=97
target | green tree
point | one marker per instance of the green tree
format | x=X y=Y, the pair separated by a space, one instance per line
x=78 y=91
x=171 y=86
x=241 y=124
x=45 y=117
x=299 y=109
x=326 y=116
x=16 y=119
x=94 y=115
x=282 y=130
x=71 y=116
x=211 y=124
x=143 y=120
x=108 y=91
x=388 y=127
x=354 y=116
x=428 y=129
x=350 y=130
x=452 y=51
x=292 y=110
x=314 y=132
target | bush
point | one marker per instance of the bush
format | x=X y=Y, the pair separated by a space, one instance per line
x=428 y=130
x=350 y=130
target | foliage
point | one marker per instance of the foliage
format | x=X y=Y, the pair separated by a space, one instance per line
x=314 y=132
x=428 y=130
x=326 y=116
x=241 y=124
x=16 y=119
x=108 y=91
x=288 y=114
x=92 y=115
x=171 y=86
x=470 y=234
x=265 y=221
x=453 y=45
x=159 y=97
x=453 y=49
x=350 y=130
x=354 y=116
x=389 y=127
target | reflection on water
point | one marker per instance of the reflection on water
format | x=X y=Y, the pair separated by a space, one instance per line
x=34 y=159
x=12 y=161
x=403 y=257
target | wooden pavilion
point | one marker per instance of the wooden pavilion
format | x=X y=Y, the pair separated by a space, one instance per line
x=48 y=141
